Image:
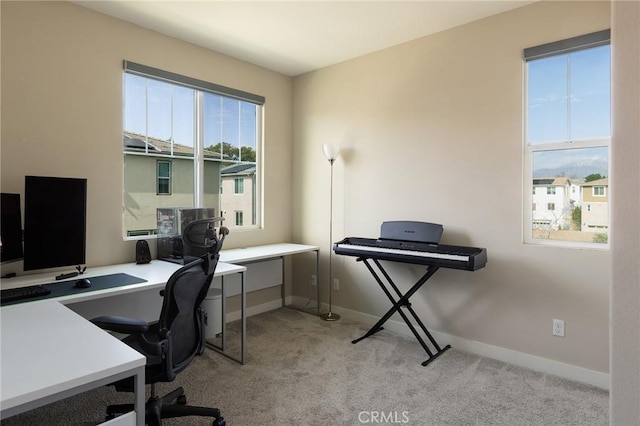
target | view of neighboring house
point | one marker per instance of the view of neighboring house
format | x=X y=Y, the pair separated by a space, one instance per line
x=568 y=210
x=552 y=203
x=595 y=205
x=159 y=174
x=237 y=193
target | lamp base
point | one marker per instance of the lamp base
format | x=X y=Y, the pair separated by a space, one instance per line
x=330 y=316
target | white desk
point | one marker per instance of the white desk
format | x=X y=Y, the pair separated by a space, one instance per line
x=155 y=273
x=50 y=353
x=247 y=255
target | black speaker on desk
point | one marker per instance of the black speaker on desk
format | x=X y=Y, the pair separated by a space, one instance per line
x=143 y=254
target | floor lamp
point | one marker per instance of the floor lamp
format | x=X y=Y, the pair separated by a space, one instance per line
x=331 y=153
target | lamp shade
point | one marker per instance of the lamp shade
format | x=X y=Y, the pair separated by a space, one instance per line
x=331 y=152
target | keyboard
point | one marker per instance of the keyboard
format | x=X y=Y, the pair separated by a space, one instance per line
x=20 y=293
x=455 y=257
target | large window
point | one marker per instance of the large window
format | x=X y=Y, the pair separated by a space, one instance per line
x=567 y=137
x=181 y=135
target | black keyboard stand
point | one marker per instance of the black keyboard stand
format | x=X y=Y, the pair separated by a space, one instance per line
x=403 y=302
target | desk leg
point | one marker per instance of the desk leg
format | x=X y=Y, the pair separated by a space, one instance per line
x=139 y=404
x=309 y=310
x=243 y=322
x=243 y=307
x=224 y=313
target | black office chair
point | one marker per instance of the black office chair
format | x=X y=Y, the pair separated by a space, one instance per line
x=172 y=342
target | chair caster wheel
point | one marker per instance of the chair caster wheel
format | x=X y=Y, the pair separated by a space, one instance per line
x=220 y=421
x=181 y=400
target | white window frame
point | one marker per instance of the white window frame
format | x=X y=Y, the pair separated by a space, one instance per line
x=530 y=149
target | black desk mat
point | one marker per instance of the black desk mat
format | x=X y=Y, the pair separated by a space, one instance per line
x=65 y=288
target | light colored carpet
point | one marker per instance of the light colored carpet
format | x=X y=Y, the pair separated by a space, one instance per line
x=305 y=371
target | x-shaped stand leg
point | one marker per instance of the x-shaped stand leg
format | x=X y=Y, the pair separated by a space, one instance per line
x=403 y=302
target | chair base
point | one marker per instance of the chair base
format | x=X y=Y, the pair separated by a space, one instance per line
x=164 y=407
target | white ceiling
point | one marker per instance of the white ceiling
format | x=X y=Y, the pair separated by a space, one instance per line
x=294 y=37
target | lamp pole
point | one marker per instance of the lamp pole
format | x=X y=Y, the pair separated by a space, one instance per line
x=331 y=153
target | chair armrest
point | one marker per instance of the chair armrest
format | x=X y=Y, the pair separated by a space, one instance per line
x=121 y=324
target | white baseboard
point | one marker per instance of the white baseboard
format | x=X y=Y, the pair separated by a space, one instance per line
x=520 y=359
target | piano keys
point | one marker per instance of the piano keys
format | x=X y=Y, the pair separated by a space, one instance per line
x=420 y=253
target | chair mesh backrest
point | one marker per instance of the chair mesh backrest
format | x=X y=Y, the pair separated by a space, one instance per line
x=185 y=291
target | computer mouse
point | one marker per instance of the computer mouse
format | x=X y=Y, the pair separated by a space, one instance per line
x=83 y=283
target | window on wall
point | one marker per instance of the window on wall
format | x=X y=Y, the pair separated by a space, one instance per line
x=238 y=185
x=164 y=177
x=567 y=138
x=181 y=136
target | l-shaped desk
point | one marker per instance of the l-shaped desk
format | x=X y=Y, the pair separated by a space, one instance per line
x=50 y=353
x=28 y=382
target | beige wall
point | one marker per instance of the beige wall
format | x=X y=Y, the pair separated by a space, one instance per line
x=625 y=230
x=62 y=112
x=422 y=126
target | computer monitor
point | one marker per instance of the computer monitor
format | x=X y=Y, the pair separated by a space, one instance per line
x=10 y=228
x=54 y=222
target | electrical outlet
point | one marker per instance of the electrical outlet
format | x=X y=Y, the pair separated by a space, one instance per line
x=558 y=328
x=336 y=284
x=314 y=281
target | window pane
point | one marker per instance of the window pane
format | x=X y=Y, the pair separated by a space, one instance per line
x=230 y=128
x=135 y=104
x=164 y=169
x=159 y=110
x=163 y=186
x=213 y=124
x=591 y=93
x=570 y=176
x=230 y=136
x=572 y=163
x=183 y=113
x=547 y=100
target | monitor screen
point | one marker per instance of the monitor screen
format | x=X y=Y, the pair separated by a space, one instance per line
x=54 y=222
x=10 y=228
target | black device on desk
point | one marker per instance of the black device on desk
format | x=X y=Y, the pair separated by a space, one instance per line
x=55 y=212
x=83 y=283
x=10 y=228
x=143 y=254
x=22 y=293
